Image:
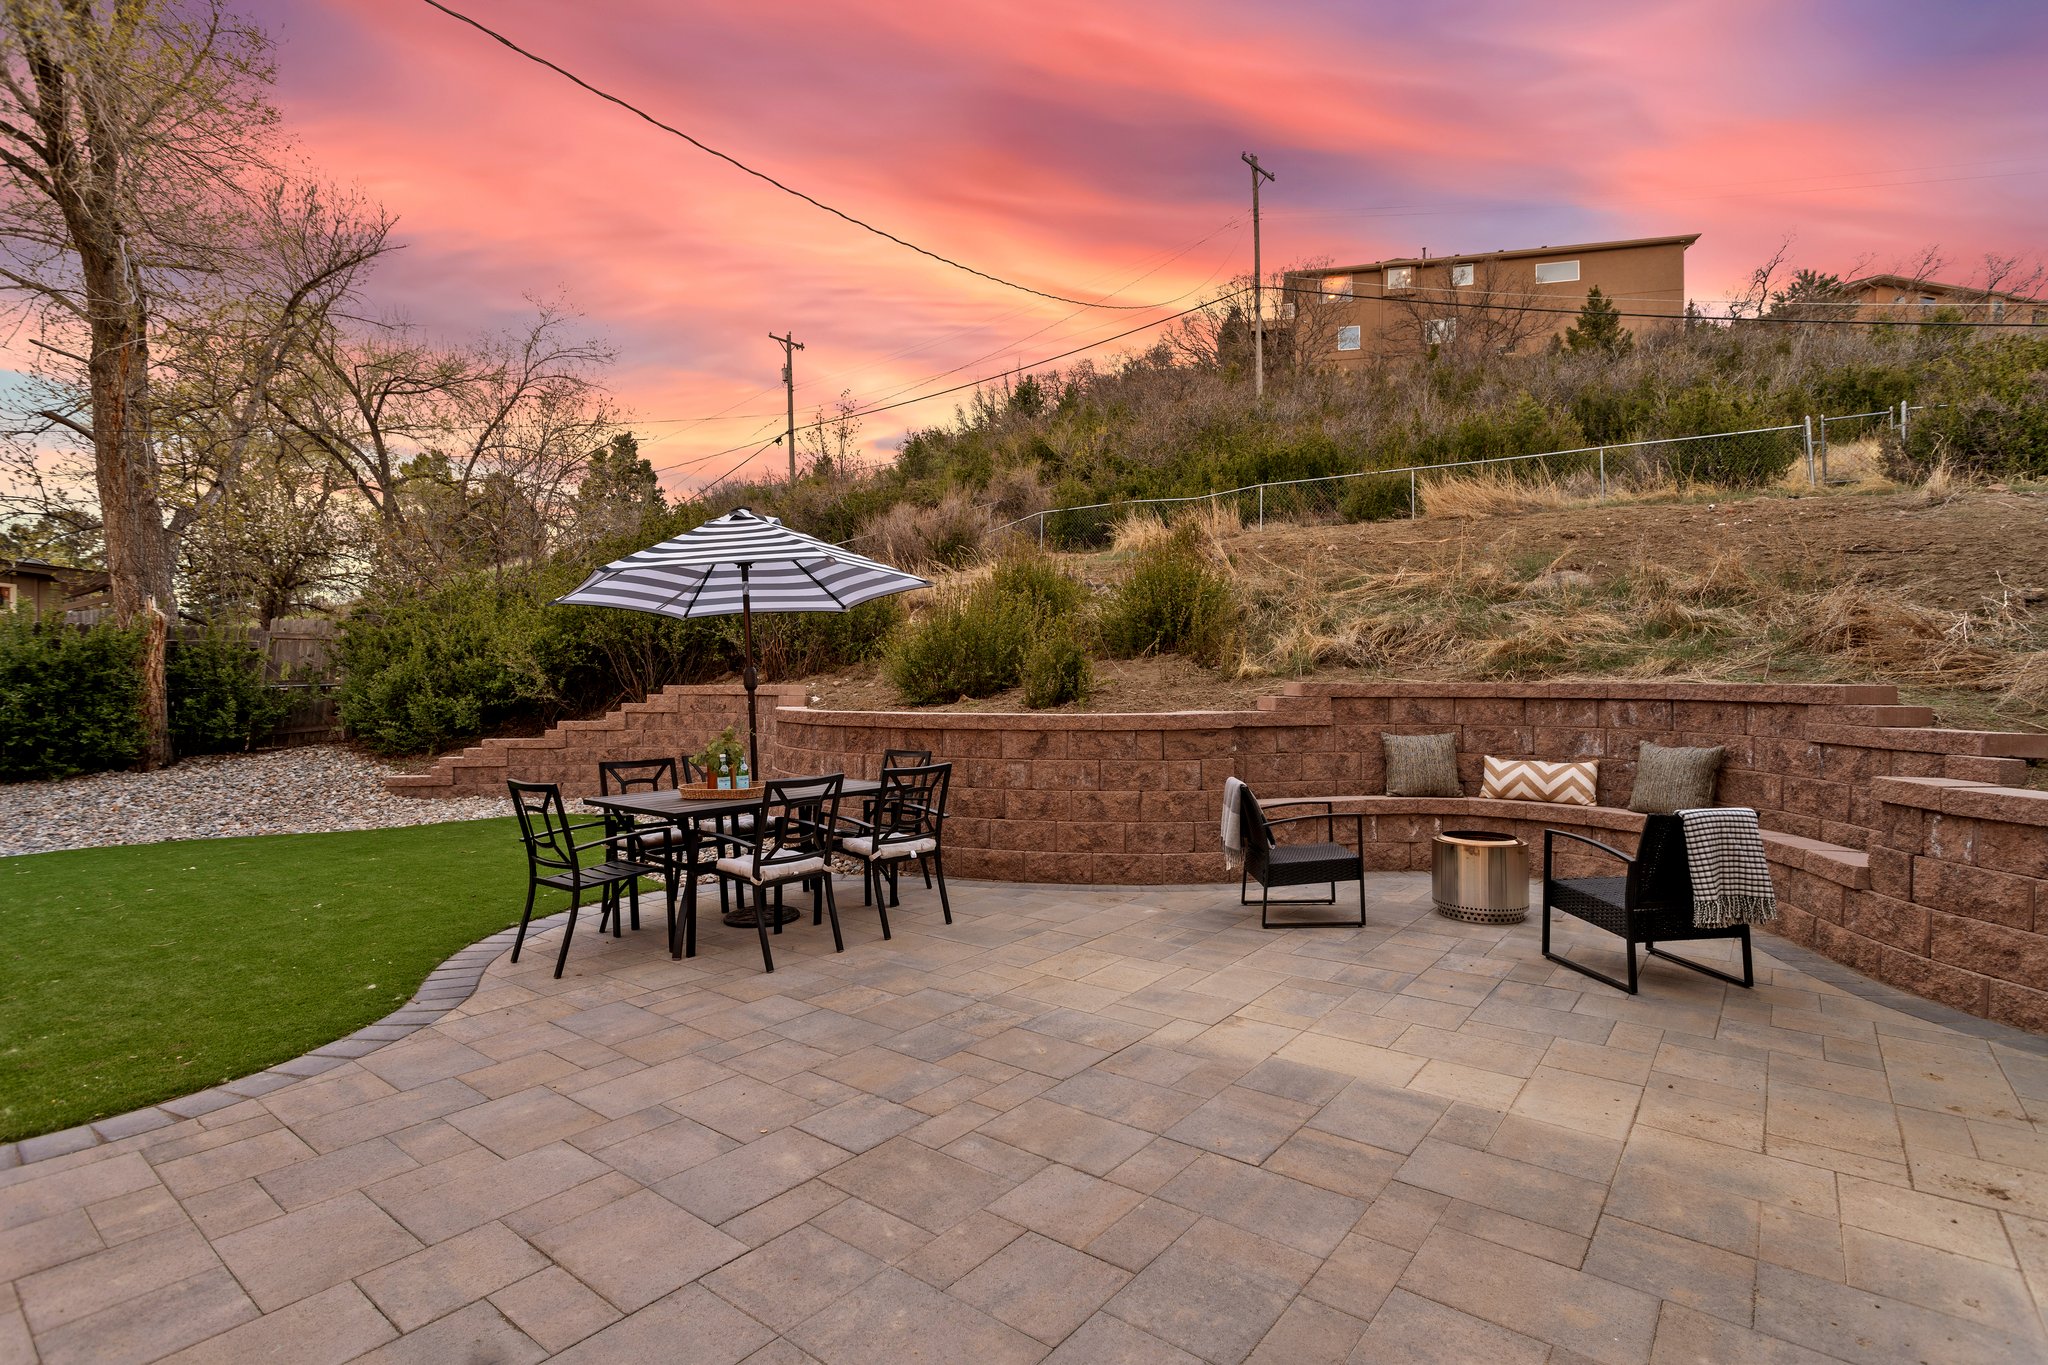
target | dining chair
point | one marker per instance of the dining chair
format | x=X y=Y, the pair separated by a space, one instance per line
x=790 y=844
x=556 y=860
x=661 y=841
x=906 y=819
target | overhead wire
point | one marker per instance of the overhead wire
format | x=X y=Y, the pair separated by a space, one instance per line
x=734 y=161
x=970 y=384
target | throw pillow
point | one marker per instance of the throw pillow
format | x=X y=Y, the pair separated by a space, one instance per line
x=1529 y=779
x=1422 y=765
x=1673 y=779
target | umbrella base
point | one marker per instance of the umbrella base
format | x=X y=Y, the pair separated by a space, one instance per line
x=744 y=919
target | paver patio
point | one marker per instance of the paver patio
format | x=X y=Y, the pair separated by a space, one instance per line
x=1082 y=1125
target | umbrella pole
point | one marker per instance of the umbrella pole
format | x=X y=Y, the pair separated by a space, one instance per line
x=751 y=678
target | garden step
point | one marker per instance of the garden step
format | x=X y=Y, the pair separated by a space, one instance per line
x=1875 y=715
x=1980 y=743
x=1848 y=867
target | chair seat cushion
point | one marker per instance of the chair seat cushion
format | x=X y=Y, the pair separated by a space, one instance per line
x=862 y=846
x=743 y=868
x=598 y=874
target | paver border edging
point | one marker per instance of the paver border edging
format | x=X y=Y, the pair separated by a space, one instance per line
x=445 y=988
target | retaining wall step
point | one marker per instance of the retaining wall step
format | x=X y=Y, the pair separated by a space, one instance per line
x=1875 y=715
x=1831 y=862
x=1978 y=743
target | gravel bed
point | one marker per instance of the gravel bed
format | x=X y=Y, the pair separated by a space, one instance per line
x=316 y=789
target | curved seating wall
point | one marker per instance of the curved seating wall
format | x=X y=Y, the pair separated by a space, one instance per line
x=1907 y=852
x=1910 y=853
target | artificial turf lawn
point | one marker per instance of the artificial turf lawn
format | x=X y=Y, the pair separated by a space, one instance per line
x=135 y=974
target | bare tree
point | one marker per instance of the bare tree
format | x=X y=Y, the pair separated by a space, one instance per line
x=416 y=428
x=832 y=445
x=123 y=127
x=1493 y=315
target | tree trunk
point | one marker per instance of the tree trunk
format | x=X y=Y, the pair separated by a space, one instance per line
x=138 y=547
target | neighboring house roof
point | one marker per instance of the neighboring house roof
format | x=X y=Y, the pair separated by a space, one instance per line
x=1907 y=282
x=1521 y=252
x=77 y=582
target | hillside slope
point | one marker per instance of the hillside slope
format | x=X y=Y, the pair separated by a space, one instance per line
x=1945 y=595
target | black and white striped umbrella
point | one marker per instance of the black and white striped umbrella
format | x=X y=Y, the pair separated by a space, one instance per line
x=740 y=563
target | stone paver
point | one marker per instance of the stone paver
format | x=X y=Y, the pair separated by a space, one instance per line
x=1076 y=1125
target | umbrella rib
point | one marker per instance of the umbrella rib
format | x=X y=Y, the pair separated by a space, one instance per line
x=821 y=587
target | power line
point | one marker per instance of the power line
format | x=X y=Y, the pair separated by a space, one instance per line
x=970 y=384
x=726 y=413
x=865 y=226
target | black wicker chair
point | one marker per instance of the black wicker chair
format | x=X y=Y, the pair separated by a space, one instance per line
x=554 y=859
x=795 y=827
x=1650 y=904
x=906 y=819
x=1271 y=864
x=658 y=843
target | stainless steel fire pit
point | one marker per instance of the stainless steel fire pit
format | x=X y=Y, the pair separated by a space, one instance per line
x=1481 y=877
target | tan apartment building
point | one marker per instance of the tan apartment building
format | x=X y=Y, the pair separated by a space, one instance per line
x=1897 y=296
x=1490 y=301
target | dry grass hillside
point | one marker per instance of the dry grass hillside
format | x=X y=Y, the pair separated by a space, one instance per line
x=1942 y=589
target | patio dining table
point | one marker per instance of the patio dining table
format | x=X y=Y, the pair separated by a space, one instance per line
x=690 y=811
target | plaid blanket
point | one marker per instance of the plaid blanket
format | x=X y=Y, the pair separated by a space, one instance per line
x=1233 y=830
x=1731 y=882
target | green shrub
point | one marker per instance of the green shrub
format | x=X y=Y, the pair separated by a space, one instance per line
x=1057 y=671
x=1173 y=602
x=220 y=701
x=1377 y=497
x=1992 y=420
x=71 y=699
x=799 y=644
x=969 y=645
x=1033 y=578
x=974 y=642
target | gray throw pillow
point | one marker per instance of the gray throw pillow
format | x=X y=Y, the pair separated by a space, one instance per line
x=1672 y=779
x=1422 y=765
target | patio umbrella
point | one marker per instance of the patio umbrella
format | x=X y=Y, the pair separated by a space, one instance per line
x=746 y=563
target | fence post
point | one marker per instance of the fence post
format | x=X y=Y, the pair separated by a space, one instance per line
x=1262 y=507
x=1806 y=432
x=1603 y=473
x=1823 y=447
x=1902 y=419
x=1041 y=530
x=1411 y=495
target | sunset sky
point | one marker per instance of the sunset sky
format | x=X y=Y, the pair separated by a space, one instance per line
x=1093 y=148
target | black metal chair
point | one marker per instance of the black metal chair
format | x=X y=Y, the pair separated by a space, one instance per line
x=1271 y=863
x=1650 y=903
x=554 y=859
x=663 y=843
x=905 y=819
x=791 y=843
x=905 y=758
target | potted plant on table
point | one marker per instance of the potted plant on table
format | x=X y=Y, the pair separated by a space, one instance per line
x=724 y=762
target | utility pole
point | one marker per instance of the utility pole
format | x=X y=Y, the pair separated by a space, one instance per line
x=789 y=350
x=1258 y=284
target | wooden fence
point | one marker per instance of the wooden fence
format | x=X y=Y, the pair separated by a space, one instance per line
x=298 y=658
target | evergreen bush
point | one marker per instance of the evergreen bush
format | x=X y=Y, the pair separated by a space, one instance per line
x=220 y=700
x=1057 y=671
x=72 y=698
x=1173 y=602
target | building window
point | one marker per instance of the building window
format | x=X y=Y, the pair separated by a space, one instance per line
x=1998 y=308
x=1347 y=338
x=1556 y=272
x=1927 y=300
x=1461 y=274
x=7 y=598
x=1439 y=331
x=1401 y=277
x=1337 y=286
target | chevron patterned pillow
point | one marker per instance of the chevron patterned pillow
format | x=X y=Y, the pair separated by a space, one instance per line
x=1528 y=779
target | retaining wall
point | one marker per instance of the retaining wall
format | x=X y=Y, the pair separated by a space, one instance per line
x=1898 y=848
